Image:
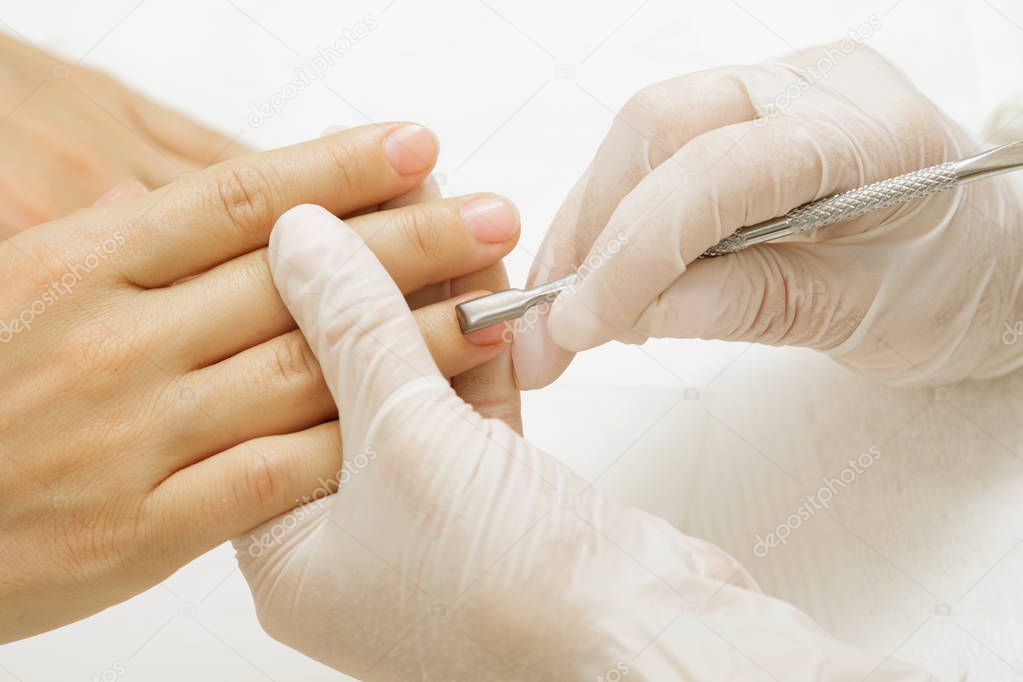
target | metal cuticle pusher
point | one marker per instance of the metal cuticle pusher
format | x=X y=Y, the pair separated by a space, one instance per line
x=513 y=303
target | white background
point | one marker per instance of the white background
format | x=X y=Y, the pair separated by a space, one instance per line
x=919 y=559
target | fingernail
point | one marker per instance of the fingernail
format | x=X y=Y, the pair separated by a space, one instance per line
x=490 y=219
x=488 y=336
x=411 y=149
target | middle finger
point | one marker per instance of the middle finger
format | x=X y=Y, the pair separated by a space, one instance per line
x=419 y=245
x=277 y=387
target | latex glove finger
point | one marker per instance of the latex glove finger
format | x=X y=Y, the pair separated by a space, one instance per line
x=779 y=294
x=650 y=128
x=317 y=268
x=732 y=176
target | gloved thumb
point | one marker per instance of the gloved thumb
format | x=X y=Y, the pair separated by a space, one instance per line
x=778 y=294
x=351 y=312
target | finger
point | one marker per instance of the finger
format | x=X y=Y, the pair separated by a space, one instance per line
x=432 y=293
x=229 y=209
x=238 y=306
x=431 y=242
x=274 y=387
x=419 y=245
x=122 y=191
x=536 y=359
x=277 y=386
x=429 y=190
x=454 y=352
x=183 y=135
x=490 y=388
x=778 y=294
x=745 y=173
x=240 y=488
x=649 y=129
x=357 y=323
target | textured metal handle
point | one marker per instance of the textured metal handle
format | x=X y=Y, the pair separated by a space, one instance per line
x=848 y=205
x=873 y=197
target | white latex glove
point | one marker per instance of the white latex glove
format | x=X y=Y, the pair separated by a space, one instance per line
x=913 y=294
x=454 y=550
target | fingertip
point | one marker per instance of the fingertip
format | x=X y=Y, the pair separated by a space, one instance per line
x=492 y=219
x=576 y=327
x=490 y=336
x=411 y=149
x=537 y=360
x=296 y=227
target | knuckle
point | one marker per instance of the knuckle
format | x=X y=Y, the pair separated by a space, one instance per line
x=772 y=317
x=258 y=483
x=253 y=274
x=292 y=360
x=244 y=194
x=647 y=110
x=422 y=232
x=346 y=163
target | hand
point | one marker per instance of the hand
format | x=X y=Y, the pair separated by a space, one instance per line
x=156 y=398
x=456 y=550
x=918 y=293
x=71 y=133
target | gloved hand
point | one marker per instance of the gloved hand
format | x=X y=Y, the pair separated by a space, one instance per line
x=455 y=550
x=914 y=294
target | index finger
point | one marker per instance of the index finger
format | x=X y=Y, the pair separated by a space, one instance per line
x=746 y=173
x=646 y=133
x=229 y=209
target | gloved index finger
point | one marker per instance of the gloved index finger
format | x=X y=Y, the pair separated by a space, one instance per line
x=730 y=177
x=646 y=133
x=351 y=312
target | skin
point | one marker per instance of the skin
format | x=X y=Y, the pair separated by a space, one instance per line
x=160 y=400
x=78 y=125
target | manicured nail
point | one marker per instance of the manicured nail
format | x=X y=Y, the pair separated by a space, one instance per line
x=487 y=337
x=411 y=149
x=490 y=219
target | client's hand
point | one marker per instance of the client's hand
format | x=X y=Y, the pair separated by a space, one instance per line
x=454 y=550
x=155 y=399
x=69 y=133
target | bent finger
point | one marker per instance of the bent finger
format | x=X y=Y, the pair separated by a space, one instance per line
x=776 y=294
x=730 y=177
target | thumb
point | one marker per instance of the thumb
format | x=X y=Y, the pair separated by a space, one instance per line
x=777 y=294
x=351 y=312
